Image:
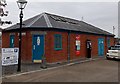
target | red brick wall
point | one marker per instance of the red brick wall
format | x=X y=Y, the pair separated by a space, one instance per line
x=6 y=43
x=112 y=41
x=72 y=46
x=5 y=40
x=94 y=43
x=56 y=55
x=83 y=38
x=29 y=46
x=51 y=54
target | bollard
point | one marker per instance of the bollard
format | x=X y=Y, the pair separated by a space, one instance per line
x=43 y=65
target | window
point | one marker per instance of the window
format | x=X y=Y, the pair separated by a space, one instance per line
x=114 y=48
x=12 y=38
x=57 y=42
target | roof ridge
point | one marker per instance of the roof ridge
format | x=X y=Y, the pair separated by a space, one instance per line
x=38 y=17
x=47 y=20
x=63 y=16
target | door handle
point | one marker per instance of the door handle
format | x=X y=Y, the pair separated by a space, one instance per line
x=34 y=47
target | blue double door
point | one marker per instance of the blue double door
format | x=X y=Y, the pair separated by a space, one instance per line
x=37 y=47
x=100 y=46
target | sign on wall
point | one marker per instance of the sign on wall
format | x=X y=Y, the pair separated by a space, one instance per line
x=78 y=45
x=9 y=56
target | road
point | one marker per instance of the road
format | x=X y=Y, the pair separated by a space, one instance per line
x=94 y=71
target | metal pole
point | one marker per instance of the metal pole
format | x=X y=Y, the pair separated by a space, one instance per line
x=20 y=37
x=113 y=30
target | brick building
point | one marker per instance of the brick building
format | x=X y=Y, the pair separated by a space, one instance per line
x=57 y=38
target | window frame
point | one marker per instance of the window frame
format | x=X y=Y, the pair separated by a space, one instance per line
x=11 y=42
x=55 y=43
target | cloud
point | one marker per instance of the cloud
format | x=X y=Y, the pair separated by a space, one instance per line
x=103 y=15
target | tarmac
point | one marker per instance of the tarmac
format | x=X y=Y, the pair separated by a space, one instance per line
x=31 y=67
x=97 y=70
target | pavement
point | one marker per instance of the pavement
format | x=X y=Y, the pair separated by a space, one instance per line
x=100 y=70
x=28 y=67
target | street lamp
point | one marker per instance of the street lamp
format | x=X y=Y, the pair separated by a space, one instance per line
x=21 y=5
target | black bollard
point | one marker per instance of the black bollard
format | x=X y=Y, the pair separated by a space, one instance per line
x=43 y=65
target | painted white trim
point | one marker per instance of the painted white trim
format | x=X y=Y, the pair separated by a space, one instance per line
x=47 y=20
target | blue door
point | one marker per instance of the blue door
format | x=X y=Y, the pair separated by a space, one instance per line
x=37 y=47
x=100 y=46
x=12 y=38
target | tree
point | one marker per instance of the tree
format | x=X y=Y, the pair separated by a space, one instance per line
x=3 y=13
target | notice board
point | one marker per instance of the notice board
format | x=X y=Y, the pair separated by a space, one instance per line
x=9 y=56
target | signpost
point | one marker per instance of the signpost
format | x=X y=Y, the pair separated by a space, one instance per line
x=9 y=56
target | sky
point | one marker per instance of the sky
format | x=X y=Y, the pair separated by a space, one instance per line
x=102 y=14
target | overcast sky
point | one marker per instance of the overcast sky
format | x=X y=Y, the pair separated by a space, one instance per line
x=100 y=14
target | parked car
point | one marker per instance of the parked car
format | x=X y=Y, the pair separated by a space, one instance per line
x=113 y=52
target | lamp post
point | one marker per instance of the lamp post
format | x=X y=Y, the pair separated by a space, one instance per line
x=21 y=5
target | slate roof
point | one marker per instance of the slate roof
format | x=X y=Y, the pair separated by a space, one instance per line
x=47 y=20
